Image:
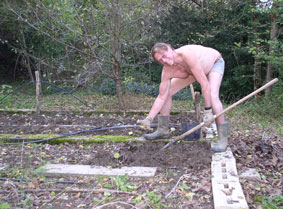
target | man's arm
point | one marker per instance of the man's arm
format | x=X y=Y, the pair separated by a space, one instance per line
x=162 y=96
x=159 y=101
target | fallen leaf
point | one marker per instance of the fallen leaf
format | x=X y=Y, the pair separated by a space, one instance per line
x=33 y=185
x=78 y=195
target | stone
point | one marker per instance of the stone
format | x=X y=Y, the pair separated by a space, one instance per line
x=250 y=174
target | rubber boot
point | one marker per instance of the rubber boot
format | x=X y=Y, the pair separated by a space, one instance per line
x=162 y=129
x=221 y=144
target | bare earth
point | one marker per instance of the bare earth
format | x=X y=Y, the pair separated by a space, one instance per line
x=182 y=180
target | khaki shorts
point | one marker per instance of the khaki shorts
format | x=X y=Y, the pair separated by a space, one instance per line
x=219 y=66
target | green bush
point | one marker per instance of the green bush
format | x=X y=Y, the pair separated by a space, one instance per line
x=107 y=87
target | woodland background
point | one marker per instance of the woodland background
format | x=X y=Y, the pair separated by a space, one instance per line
x=104 y=45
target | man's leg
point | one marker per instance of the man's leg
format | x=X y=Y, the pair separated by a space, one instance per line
x=176 y=85
x=215 y=79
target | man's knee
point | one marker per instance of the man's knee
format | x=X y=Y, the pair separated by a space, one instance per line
x=215 y=97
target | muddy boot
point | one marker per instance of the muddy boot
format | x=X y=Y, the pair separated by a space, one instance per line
x=221 y=144
x=162 y=129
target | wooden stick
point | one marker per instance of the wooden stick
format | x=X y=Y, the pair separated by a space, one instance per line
x=192 y=92
x=37 y=78
x=217 y=115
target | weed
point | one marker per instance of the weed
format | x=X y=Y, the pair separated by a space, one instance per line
x=122 y=184
x=272 y=203
x=4 y=91
x=154 y=200
x=27 y=203
x=4 y=206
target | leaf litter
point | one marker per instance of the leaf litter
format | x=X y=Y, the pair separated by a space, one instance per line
x=182 y=179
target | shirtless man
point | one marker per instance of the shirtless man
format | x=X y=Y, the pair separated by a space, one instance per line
x=182 y=67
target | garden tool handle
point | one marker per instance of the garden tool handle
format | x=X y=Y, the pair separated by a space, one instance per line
x=222 y=112
x=248 y=96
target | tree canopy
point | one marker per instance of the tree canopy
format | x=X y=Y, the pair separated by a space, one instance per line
x=88 y=41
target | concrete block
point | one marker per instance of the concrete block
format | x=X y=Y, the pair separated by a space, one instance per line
x=83 y=170
x=227 y=190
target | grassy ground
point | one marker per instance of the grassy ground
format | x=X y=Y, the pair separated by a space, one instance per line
x=263 y=113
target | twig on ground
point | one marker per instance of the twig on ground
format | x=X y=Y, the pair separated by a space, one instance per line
x=56 y=197
x=22 y=151
x=117 y=202
x=173 y=189
x=13 y=188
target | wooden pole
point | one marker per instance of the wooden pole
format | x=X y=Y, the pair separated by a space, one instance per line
x=192 y=91
x=197 y=105
x=196 y=99
x=37 y=88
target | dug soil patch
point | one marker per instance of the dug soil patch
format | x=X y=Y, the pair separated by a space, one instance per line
x=195 y=155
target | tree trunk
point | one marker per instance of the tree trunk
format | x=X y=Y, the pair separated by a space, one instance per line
x=116 y=51
x=26 y=57
x=273 y=36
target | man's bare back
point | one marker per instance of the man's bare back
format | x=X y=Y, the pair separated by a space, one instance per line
x=203 y=56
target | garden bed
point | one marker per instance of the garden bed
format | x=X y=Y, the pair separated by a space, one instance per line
x=182 y=180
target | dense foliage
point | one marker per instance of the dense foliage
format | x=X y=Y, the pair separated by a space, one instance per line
x=106 y=43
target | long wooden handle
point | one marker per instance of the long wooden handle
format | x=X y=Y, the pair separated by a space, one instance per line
x=222 y=112
x=248 y=96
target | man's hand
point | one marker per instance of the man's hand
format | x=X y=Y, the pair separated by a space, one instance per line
x=145 y=123
x=208 y=117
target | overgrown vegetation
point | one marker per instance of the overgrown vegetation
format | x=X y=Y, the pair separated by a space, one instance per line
x=88 y=47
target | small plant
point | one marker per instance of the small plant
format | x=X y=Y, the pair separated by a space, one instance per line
x=27 y=202
x=272 y=203
x=4 y=90
x=4 y=206
x=116 y=155
x=154 y=199
x=122 y=184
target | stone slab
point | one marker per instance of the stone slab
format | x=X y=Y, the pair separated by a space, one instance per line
x=83 y=170
x=226 y=187
x=250 y=174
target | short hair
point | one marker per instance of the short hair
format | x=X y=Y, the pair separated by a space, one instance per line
x=159 y=47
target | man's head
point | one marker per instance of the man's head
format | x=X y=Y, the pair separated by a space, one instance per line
x=163 y=53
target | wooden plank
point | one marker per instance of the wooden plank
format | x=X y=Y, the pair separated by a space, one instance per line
x=87 y=170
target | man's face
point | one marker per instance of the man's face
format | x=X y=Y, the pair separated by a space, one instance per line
x=164 y=57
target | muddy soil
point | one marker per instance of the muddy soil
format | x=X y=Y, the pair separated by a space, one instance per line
x=191 y=155
x=61 y=123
